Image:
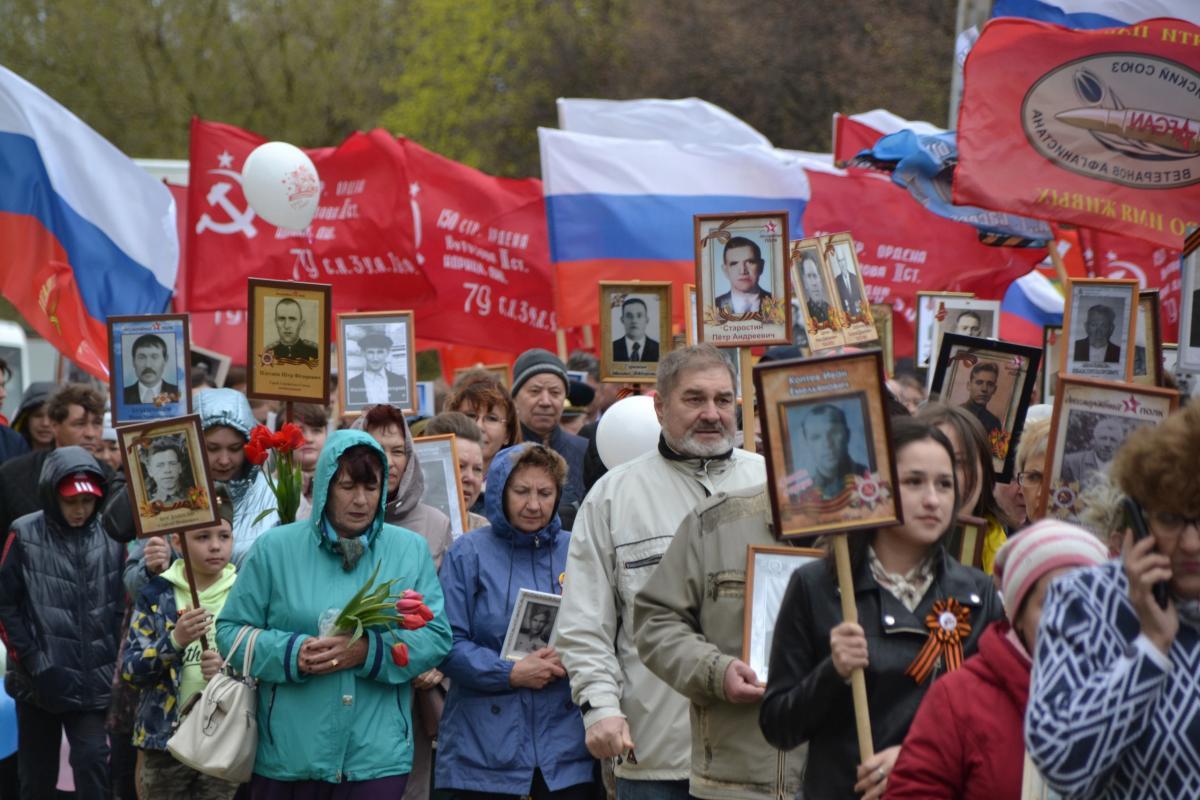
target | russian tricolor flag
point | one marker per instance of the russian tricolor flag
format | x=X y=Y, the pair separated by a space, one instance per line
x=84 y=232
x=1030 y=303
x=621 y=209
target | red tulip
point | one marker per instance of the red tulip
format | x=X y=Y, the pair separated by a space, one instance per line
x=410 y=594
x=289 y=438
x=255 y=454
x=412 y=622
x=400 y=654
x=407 y=606
x=425 y=613
x=261 y=437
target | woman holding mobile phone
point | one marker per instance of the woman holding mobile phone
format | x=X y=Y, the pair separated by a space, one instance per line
x=1116 y=680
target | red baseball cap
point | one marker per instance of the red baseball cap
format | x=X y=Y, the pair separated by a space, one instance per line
x=79 y=483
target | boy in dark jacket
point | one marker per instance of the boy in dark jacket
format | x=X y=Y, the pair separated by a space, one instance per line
x=61 y=602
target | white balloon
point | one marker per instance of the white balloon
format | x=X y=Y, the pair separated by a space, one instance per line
x=628 y=429
x=281 y=185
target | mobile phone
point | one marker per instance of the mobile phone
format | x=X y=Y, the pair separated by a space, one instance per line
x=1137 y=522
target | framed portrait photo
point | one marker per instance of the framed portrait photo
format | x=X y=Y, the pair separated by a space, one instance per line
x=1189 y=315
x=635 y=329
x=827 y=443
x=1051 y=344
x=1099 y=323
x=812 y=285
x=214 y=363
x=531 y=626
x=741 y=278
x=1091 y=421
x=994 y=381
x=967 y=543
x=167 y=476
x=150 y=367
x=768 y=570
x=1147 y=342
x=378 y=361
x=689 y=314
x=885 y=328
x=931 y=309
x=845 y=276
x=443 y=482
x=288 y=340
x=150 y=375
x=965 y=316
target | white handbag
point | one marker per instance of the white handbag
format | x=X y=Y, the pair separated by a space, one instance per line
x=219 y=734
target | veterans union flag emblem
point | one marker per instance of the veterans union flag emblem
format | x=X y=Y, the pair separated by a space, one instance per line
x=1128 y=118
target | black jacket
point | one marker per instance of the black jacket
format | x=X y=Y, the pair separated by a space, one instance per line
x=19 y=493
x=61 y=599
x=807 y=701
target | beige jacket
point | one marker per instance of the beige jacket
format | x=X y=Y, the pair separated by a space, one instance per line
x=688 y=623
x=621 y=532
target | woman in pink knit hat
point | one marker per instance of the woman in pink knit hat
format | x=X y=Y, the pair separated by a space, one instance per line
x=966 y=741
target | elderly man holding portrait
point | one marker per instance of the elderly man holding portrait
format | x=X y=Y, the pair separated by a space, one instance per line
x=623 y=530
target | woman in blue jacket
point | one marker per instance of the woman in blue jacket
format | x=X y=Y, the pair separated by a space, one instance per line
x=509 y=728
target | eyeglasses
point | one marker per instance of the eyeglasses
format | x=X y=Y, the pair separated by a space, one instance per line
x=1168 y=523
x=1031 y=478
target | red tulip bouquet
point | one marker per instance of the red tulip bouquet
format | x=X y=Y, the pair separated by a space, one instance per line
x=288 y=482
x=376 y=605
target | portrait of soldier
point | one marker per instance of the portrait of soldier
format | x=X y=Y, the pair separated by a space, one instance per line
x=376 y=383
x=743 y=265
x=289 y=323
x=164 y=468
x=635 y=345
x=149 y=354
x=981 y=387
x=825 y=438
x=815 y=296
x=969 y=324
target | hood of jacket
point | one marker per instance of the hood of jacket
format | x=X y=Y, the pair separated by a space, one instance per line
x=230 y=408
x=1000 y=664
x=338 y=443
x=497 y=481
x=37 y=393
x=60 y=463
x=412 y=482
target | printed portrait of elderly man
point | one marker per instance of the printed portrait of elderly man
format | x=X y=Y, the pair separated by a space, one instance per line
x=1097 y=346
x=635 y=345
x=376 y=383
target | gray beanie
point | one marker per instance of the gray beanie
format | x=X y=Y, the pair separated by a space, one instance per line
x=535 y=362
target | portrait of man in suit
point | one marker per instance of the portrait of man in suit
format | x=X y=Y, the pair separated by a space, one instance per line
x=635 y=345
x=1086 y=465
x=150 y=360
x=846 y=282
x=1097 y=346
x=376 y=384
x=289 y=324
x=983 y=381
x=742 y=263
x=969 y=324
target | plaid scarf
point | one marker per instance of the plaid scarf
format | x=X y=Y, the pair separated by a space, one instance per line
x=908 y=588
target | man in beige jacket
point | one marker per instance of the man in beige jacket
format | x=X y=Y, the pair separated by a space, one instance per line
x=623 y=528
x=688 y=622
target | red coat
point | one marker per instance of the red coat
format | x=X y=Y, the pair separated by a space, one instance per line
x=967 y=742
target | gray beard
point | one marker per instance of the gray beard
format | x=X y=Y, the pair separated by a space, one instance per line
x=688 y=446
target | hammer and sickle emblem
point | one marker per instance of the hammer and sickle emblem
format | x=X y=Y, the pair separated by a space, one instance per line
x=240 y=220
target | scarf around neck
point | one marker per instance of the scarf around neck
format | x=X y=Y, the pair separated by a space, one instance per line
x=908 y=588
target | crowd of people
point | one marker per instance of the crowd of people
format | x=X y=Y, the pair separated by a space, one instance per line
x=585 y=633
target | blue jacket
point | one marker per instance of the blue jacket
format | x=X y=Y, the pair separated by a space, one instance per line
x=352 y=725
x=492 y=736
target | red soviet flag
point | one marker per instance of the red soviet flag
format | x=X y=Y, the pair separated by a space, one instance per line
x=1154 y=267
x=482 y=241
x=903 y=248
x=361 y=240
x=1099 y=128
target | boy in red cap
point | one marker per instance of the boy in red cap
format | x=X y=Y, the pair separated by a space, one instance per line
x=61 y=602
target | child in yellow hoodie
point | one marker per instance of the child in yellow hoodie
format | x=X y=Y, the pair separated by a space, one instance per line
x=164 y=658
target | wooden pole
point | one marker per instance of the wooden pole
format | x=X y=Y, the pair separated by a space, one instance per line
x=561 y=338
x=746 y=368
x=858 y=679
x=191 y=579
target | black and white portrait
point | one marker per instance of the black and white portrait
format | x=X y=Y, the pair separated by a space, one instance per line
x=166 y=470
x=847 y=282
x=290 y=331
x=1099 y=330
x=377 y=360
x=439 y=469
x=635 y=323
x=531 y=626
x=1091 y=443
x=829 y=444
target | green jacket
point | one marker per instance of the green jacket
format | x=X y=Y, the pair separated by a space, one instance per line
x=351 y=725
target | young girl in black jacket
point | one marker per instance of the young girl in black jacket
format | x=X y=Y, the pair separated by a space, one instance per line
x=906 y=587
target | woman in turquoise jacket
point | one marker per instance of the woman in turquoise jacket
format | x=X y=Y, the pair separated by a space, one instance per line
x=510 y=728
x=328 y=713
